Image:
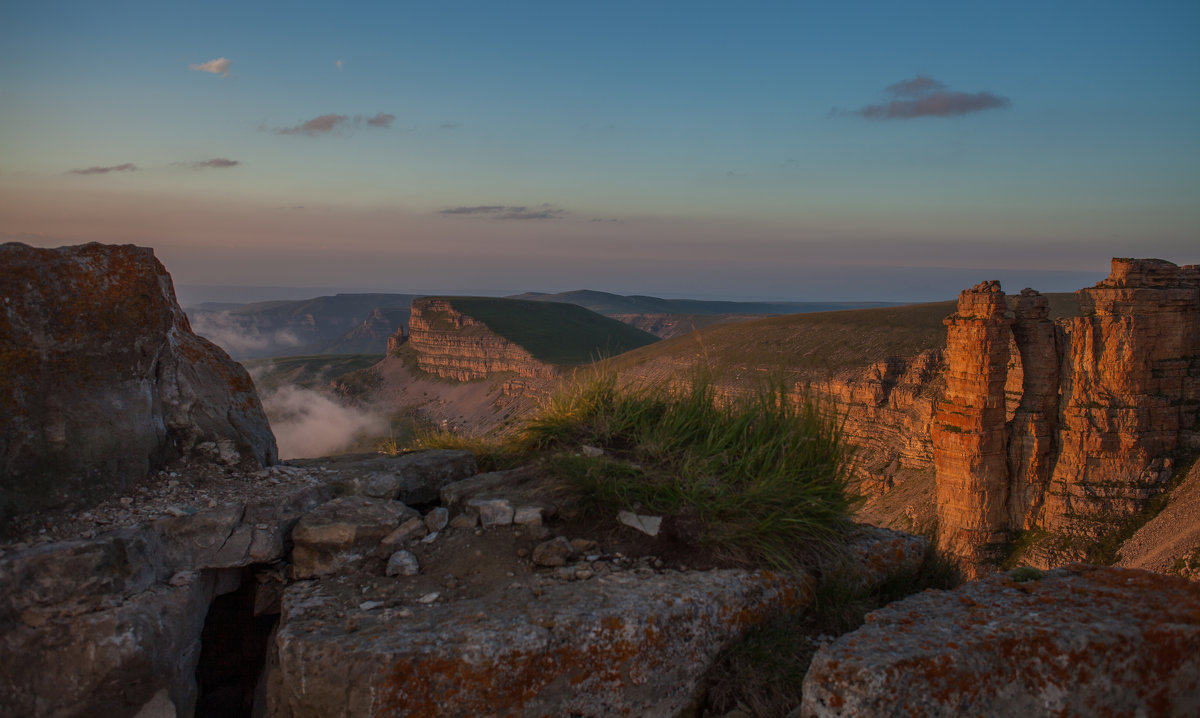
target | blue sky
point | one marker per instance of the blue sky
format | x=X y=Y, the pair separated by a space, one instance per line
x=711 y=149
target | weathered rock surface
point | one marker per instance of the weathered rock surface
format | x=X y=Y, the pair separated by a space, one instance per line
x=103 y=626
x=622 y=644
x=1079 y=641
x=102 y=380
x=340 y=534
x=455 y=346
x=413 y=478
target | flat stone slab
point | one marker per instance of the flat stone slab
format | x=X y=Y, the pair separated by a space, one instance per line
x=413 y=478
x=622 y=644
x=340 y=534
x=1077 y=641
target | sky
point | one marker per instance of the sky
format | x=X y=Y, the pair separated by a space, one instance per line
x=783 y=150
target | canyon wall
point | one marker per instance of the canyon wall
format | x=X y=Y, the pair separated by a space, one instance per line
x=452 y=345
x=1075 y=429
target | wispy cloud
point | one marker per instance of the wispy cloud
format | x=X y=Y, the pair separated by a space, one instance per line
x=926 y=97
x=127 y=167
x=382 y=119
x=219 y=66
x=327 y=124
x=500 y=211
x=216 y=163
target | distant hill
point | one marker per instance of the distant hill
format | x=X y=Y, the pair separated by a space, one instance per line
x=610 y=304
x=339 y=324
x=554 y=333
x=816 y=342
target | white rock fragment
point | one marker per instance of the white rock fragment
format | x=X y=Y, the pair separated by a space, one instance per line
x=403 y=563
x=648 y=525
x=592 y=451
x=370 y=605
x=430 y=538
x=437 y=519
x=429 y=597
x=492 y=512
x=528 y=516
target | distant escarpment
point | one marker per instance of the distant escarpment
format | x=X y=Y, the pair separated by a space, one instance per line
x=102 y=380
x=469 y=338
x=1067 y=426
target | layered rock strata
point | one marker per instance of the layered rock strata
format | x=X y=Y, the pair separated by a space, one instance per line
x=1078 y=641
x=102 y=380
x=968 y=433
x=1079 y=427
x=452 y=345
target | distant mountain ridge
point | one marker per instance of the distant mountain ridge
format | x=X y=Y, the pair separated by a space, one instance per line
x=610 y=304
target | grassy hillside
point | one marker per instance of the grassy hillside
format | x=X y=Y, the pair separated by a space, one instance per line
x=609 y=304
x=561 y=334
x=814 y=343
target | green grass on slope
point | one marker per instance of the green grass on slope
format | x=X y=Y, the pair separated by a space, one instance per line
x=562 y=334
x=763 y=480
x=818 y=342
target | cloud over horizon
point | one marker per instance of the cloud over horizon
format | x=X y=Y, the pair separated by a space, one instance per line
x=499 y=211
x=127 y=167
x=219 y=66
x=924 y=96
x=216 y=162
x=326 y=124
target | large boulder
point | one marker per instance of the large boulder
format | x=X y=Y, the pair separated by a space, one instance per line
x=622 y=644
x=102 y=380
x=1078 y=641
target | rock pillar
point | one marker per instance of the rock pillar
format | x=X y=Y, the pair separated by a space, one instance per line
x=969 y=435
x=1032 y=430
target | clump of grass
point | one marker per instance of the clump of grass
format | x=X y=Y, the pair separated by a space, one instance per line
x=763 y=479
x=491 y=453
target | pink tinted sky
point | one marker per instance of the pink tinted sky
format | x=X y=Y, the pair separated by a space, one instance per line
x=860 y=150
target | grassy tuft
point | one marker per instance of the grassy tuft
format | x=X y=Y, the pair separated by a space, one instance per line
x=763 y=480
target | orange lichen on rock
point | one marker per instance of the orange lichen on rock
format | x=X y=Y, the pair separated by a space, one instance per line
x=1081 y=640
x=103 y=381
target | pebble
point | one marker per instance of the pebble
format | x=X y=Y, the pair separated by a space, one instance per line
x=370 y=605
x=429 y=597
x=403 y=563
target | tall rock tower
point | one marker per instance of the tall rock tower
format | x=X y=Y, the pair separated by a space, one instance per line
x=969 y=434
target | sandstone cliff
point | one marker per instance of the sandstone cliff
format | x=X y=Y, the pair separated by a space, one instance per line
x=102 y=380
x=1078 y=427
x=453 y=345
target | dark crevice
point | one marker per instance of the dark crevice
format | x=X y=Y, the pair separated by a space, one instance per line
x=233 y=652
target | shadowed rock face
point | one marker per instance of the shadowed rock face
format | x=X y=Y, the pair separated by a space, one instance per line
x=102 y=380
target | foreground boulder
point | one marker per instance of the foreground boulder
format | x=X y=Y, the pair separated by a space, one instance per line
x=624 y=644
x=1078 y=641
x=102 y=380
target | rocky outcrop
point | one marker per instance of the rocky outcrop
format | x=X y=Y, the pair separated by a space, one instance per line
x=887 y=412
x=1130 y=392
x=107 y=625
x=1080 y=641
x=1078 y=427
x=102 y=380
x=452 y=345
x=969 y=436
